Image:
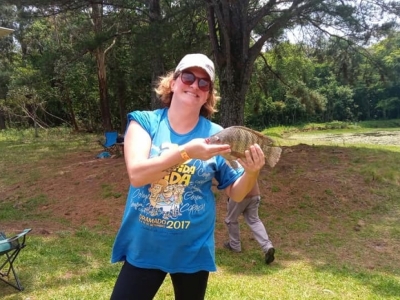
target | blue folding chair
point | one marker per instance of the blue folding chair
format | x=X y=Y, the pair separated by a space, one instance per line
x=10 y=248
x=111 y=139
x=111 y=143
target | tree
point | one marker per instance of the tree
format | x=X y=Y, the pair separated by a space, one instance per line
x=240 y=29
x=97 y=60
x=154 y=37
x=7 y=17
x=23 y=99
x=284 y=73
x=97 y=39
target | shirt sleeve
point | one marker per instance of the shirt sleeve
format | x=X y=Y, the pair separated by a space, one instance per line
x=226 y=175
x=147 y=119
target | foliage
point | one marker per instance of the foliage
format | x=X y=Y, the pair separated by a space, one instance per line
x=88 y=75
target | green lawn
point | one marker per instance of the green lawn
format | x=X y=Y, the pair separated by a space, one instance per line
x=320 y=252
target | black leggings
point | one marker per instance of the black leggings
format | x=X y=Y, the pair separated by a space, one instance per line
x=142 y=284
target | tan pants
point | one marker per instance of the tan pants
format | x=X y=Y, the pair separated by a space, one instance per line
x=249 y=208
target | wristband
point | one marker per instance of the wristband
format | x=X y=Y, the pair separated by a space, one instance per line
x=183 y=152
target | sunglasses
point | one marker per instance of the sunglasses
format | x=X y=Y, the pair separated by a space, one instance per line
x=189 y=78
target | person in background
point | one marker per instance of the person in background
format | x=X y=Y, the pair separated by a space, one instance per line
x=169 y=219
x=249 y=208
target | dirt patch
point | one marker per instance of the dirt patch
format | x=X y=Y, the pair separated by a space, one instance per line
x=309 y=193
x=84 y=191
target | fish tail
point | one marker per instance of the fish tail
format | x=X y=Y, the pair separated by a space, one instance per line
x=274 y=156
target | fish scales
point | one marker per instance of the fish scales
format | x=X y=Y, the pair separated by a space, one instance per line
x=240 y=139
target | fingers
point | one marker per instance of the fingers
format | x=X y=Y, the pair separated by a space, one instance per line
x=257 y=154
x=199 y=148
x=254 y=159
x=218 y=150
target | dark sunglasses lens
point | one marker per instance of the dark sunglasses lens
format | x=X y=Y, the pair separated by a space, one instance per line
x=204 y=85
x=188 y=78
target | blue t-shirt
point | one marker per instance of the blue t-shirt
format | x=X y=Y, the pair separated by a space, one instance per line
x=169 y=224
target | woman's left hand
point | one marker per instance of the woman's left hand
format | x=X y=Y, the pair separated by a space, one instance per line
x=254 y=160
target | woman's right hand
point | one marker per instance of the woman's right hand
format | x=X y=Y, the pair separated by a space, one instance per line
x=200 y=149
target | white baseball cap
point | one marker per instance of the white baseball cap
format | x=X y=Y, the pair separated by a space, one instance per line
x=5 y=31
x=197 y=60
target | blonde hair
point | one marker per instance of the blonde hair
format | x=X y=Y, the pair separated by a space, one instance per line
x=163 y=90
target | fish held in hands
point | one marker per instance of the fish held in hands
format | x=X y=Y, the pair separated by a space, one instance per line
x=240 y=139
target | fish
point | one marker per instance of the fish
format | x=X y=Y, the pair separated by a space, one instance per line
x=240 y=138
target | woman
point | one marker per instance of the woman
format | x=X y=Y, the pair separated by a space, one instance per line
x=168 y=223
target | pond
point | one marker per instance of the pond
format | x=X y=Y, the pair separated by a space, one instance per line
x=375 y=138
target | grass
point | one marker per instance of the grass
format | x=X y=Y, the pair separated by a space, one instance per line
x=67 y=266
x=322 y=252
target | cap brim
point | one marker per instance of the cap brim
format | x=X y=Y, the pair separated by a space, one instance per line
x=5 y=31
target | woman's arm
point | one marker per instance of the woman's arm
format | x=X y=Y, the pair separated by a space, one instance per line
x=252 y=165
x=144 y=170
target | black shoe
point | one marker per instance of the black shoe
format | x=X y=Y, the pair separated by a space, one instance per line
x=270 y=256
x=228 y=246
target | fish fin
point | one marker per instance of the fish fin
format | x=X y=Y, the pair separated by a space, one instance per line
x=235 y=164
x=274 y=156
x=264 y=138
x=235 y=154
x=229 y=157
x=231 y=160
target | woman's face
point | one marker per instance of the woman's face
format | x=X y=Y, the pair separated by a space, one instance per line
x=187 y=92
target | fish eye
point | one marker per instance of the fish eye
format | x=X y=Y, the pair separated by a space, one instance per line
x=218 y=140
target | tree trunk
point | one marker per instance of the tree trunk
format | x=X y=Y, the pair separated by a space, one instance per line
x=2 y=120
x=234 y=61
x=97 y=15
x=231 y=27
x=121 y=95
x=101 y=75
x=231 y=110
x=157 y=61
x=71 y=112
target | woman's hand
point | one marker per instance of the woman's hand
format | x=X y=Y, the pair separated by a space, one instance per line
x=252 y=165
x=254 y=161
x=198 y=148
